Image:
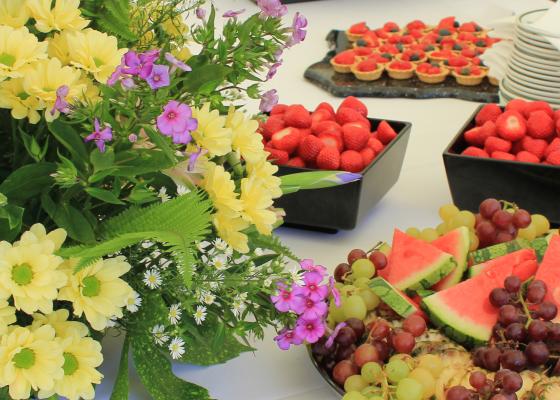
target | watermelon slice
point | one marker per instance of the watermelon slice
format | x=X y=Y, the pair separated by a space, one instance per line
x=456 y=243
x=488 y=253
x=463 y=312
x=394 y=298
x=549 y=272
x=522 y=260
x=414 y=264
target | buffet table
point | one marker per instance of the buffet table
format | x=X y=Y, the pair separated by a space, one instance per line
x=271 y=374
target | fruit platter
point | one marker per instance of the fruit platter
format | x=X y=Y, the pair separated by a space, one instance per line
x=415 y=61
x=464 y=311
x=499 y=145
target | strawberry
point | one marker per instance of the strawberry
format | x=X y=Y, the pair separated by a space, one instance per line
x=554 y=158
x=494 y=143
x=310 y=147
x=279 y=109
x=296 y=162
x=447 y=22
x=474 y=152
x=557 y=115
x=368 y=155
x=305 y=132
x=490 y=112
x=385 y=132
x=511 y=126
x=287 y=139
x=558 y=126
x=320 y=116
x=525 y=156
x=327 y=107
x=346 y=114
x=375 y=144
x=516 y=105
x=533 y=106
x=351 y=161
x=502 y=155
x=516 y=147
x=552 y=147
x=297 y=116
x=280 y=157
x=537 y=147
x=355 y=104
x=478 y=135
x=273 y=124
x=332 y=141
x=328 y=158
x=540 y=125
x=328 y=127
x=355 y=136
x=359 y=28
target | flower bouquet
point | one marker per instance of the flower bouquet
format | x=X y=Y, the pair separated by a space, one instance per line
x=135 y=194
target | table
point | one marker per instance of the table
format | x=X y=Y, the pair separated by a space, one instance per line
x=271 y=374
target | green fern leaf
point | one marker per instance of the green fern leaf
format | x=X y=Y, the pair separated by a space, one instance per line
x=271 y=242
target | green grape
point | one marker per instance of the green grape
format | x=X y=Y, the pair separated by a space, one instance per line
x=354 y=307
x=372 y=372
x=529 y=233
x=414 y=232
x=474 y=241
x=463 y=218
x=347 y=290
x=354 y=396
x=429 y=234
x=426 y=379
x=337 y=313
x=442 y=228
x=339 y=285
x=362 y=283
x=355 y=383
x=542 y=225
x=432 y=363
x=363 y=268
x=447 y=211
x=376 y=398
x=409 y=389
x=385 y=249
x=373 y=392
x=370 y=299
x=396 y=370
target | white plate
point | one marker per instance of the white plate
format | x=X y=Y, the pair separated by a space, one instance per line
x=535 y=72
x=528 y=94
x=534 y=43
x=551 y=55
x=534 y=79
x=526 y=21
x=532 y=88
x=520 y=31
x=536 y=61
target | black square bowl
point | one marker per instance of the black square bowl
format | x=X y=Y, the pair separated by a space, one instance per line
x=341 y=207
x=534 y=187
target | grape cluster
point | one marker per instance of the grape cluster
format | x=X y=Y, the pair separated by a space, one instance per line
x=502 y=387
x=495 y=224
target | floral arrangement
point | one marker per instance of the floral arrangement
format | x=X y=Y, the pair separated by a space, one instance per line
x=135 y=194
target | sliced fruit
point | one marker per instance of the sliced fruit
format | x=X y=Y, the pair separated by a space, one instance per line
x=393 y=297
x=498 y=250
x=456 y=243
x=522 y=260
x=540 y=245
x=549 y=272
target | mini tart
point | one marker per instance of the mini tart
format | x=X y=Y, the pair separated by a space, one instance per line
x=356 y=31
x=367 y=75
x=353 y=36
x=341 y=68
x=433 y=78
x=438 y=56
x=400 y=74
x=344 y=67
x=417 y=62
x=469 y=80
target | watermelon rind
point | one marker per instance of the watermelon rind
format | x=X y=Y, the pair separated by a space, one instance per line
x=393 y=297
x=431 y=275
x=476 y=270
x=488 y=253
x=460 y=256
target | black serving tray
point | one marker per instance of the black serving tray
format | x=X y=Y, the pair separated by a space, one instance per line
x=534 y=187
x=342 y=207
x=343 y=85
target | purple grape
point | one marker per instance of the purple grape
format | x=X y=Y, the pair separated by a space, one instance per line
x=514 y=360
x=516 y=331
x=512 y=382
x=491 y=359
x=547 y=310
x=538 y=330
x=499 y=297
x=512 y=284
x=537 y=353
x=508 y=315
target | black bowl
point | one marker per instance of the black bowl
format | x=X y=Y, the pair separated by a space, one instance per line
x=341 y=207
x=334 y=386
x=534 y=187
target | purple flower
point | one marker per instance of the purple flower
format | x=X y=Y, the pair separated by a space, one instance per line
x=193 y=157
x=132 y=138
x=310 y=330
x=309 y=265
x=100 y=136
x=298 y=30
x=176 y=121
x=140 y=64
x=116 y=75
x=313 y=288
x=285 y=298
x=176 y=63
x=268 y=100
x=287 y=337
x=278 y=54
x=128 y=83
x=200 y=13
x=334 y=291
x=332 y=337
x=159 y=77
x=61 y=104
x=309 y=309
x=347 y=177
x=273 y=69
x=232 y=13
x=272 y=8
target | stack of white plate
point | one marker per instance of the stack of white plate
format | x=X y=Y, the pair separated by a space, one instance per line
x=533 y=72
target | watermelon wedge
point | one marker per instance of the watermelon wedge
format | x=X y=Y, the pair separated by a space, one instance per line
x=414 y=264
x=456 y=243
x=549 y=272
x=522 y=260
x=394 y=298
x=463 y=312
x=488 y=253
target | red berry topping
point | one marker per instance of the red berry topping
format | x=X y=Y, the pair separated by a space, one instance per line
x=363 y=51
x=359 y=28
x=345 y=58
x=391 y=27
x=401 y=65
x=416 y=24
x=368 y=65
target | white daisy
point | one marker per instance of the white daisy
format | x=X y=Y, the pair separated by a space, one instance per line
x=174 y=314
x=164 y=263
x=296 y=277
x=267 y=282
x=152 y=278
x=201 y=246
x=200 y=314
x=241 y=296
x=162 y=194
x=241 y=260
x=177 y=348
x=258 y=251
x=155 y=253
x=146 y=244
x=134 y=302
x=209 y=298
x=160 y=337
x=220 y=244
x=182 y=190
x=112 y=322
x=238 y=307
x=220 y=262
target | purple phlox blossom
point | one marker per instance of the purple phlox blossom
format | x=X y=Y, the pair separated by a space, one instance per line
x=200 y=13
x=298 y=30
x=140 y=64
x=287 y=337
x=334 y=291
x=61 y=104
x=193 y=157
x=268 y=100
x=159 y=77
x=132 y=138
x=309 y=309
x=278 y=54
x=309 y=265
x=116 y=75
x=128 y=83
x=232 y=13
x=176 y=63
x=312 y=288
x=273 y=70
x=347 y=177
x=285 y=298
x=176 y=121
x=272 y=8
x=310 y=330
x=100 y=136
x=334 y=334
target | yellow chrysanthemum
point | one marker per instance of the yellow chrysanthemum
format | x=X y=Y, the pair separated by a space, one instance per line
x=13 y=13
x=221 y=188
x=18 y=48
x=21 y=105
x=59 y=321
x=211 y=133
x=91 y=94
x=30 y=360
x=97 y=291
x=95 y=52
x=37 y=234
x=31 y=276
x=183 y=53
x=7 y=316
x=65 y=15
x=256 y=205
x=230 y=230
x=175 y=27
x=58 y=47
x=245 y=139
x=265 y=171
x=81 y=356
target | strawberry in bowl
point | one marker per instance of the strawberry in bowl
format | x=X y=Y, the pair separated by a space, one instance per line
x=431 y=72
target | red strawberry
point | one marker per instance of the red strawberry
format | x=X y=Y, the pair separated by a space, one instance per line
x=310 y=147
x=557 y=115
x=516 y=105
x=327 y=107
x=332 y=141
x=296 y=162
x=385 y=132
x=328 y=158
x=516 y=147
x=525 y=156
x=558 y=126
x=494 y=143
x=540 y=125
x=364 y=123
x=273 y=124
x=287 y=139
x=537 y=147
x=502 y=155
x=474 y=152
x=280 y=157
x=297 y=116
x=319 y=116
x=511 y=126
x=490 y=112
x=355 y=104
x=355 y=136
x=346 y=114
x=375 y=144
x=552 y=147
x=351 y=161
x=329 y=127
x=279 y=109
x=368 y=155
x=304 y=132
x=478 y=135
x=554 y=158
x=533 y=106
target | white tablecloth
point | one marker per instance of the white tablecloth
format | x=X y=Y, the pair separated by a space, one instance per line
x=271 y=374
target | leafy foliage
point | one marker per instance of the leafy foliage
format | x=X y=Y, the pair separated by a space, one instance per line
x=111 y=16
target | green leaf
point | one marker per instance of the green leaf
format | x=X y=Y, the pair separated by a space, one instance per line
x=101 y=161
x=139 y=162
x=197 y=78
x=104 y=195
x=120 y=390
x=68 y=217
x=264 y=259
x=70 y=139
x=316 y=180
x=28 y=181
x=11 y=218
x=32 y=147
x=3 y=200
x=161 y=142
x=272 y=243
